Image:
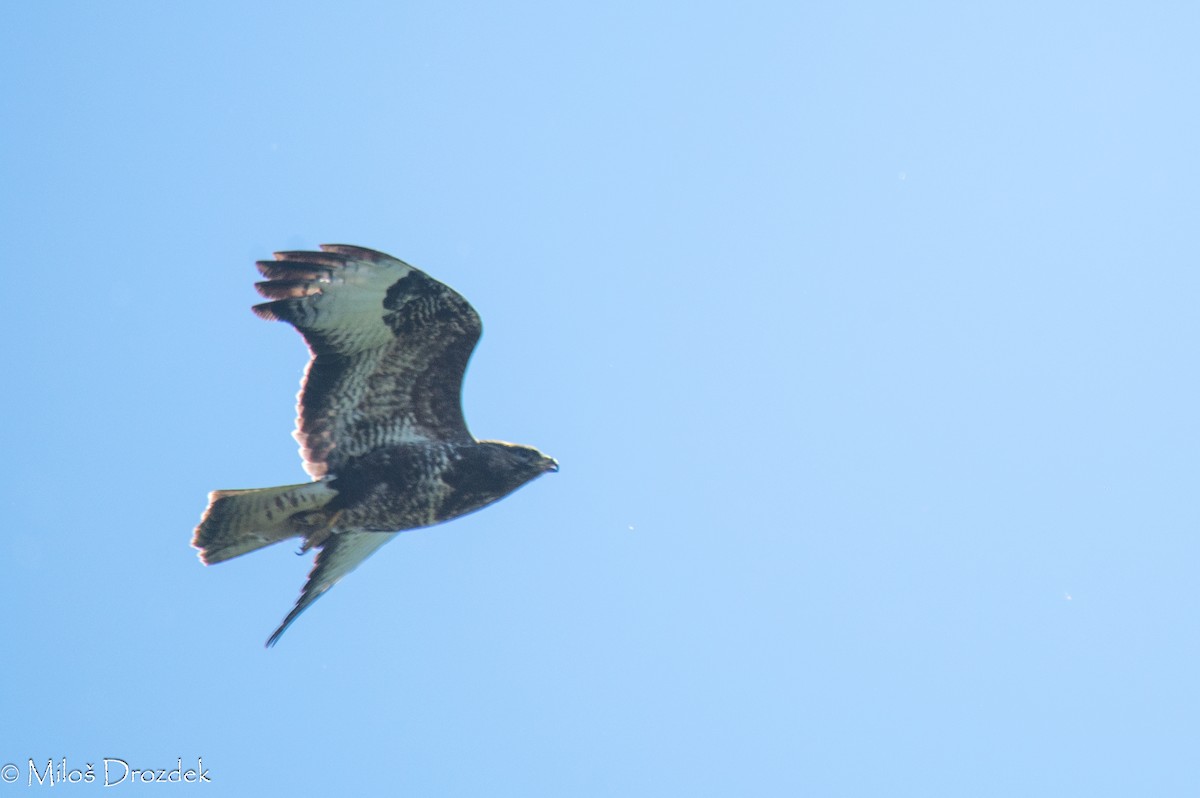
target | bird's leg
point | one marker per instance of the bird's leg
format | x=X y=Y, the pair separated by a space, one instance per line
x=315 y=526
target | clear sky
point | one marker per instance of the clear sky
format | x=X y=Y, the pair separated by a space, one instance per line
x=865 y=334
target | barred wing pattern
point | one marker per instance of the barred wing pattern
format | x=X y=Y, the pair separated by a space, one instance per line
x=389 y=348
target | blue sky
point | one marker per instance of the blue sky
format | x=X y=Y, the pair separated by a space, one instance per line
x=865 y=336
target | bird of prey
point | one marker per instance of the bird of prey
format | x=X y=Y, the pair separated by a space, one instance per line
x=380 y=421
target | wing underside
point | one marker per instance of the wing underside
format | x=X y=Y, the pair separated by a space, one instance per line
x=389 y=349
x=340 y=555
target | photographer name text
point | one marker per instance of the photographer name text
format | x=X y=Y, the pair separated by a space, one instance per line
x=110 y=772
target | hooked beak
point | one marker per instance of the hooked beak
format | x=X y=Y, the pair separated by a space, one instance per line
x=549 y=464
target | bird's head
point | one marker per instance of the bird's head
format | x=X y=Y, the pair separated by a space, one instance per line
x=531 y=460
x=526 y=461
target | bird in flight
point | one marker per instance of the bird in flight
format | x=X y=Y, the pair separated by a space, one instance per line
x=380 y=421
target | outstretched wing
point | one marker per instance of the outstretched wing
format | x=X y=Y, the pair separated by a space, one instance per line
x=340 y=555
x=389 y=348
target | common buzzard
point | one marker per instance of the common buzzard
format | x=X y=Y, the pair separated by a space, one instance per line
x=380 y=421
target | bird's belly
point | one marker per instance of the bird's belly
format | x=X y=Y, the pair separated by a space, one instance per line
x=388 y=511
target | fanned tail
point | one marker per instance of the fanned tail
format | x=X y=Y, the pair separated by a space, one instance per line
x=240 y=521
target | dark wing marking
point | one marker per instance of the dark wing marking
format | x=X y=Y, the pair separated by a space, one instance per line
x=340 y=555
x=390 y=346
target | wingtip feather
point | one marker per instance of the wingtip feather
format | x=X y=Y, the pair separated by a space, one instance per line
x=287 y=289
x=304 y=603
x=326 y=259
x=356 y=253
x=293 y=270
x=268 y=311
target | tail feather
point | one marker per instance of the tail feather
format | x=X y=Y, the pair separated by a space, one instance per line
x=240 y=521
